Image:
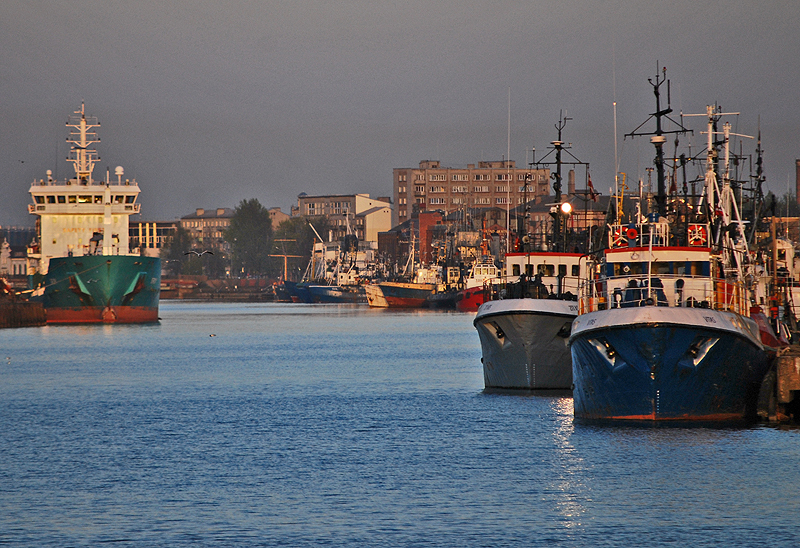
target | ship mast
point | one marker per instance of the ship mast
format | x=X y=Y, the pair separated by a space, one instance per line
x=82 y=136
x=658 y=138
x=560 y=210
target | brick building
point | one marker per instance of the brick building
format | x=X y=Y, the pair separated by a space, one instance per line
x=487 y=184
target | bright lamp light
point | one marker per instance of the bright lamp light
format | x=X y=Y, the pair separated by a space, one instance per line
x=566 y=208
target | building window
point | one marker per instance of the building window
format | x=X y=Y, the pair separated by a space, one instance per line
x=460 y=189
x=461 y=177
x=401 y=190
x=401 y=178
x=483 y=201
x=527 y=188
x=458 y=201
x=501 y=188
x=502 y=177
x=480 y=189
x=419 y=189
x=437 y=189
x=481 y=176
x=502 y=200
x=437 y=201
x=437 y=177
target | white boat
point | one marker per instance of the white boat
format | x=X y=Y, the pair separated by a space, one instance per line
x=525 y=330
x=524 y=335
x=524 y=343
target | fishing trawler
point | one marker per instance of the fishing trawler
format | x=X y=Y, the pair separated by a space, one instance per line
x=524 y=334
x=524 y=326
x=664 y=329
x=80 y=265
x=483 y=275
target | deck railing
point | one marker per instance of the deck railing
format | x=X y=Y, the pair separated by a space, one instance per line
x=663 y=290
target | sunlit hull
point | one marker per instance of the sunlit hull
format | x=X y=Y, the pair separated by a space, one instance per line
x=406 y=295
x=524 y=343
x=102 y=289
x=659 y=363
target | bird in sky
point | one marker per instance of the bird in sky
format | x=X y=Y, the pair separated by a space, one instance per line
x=199 y=253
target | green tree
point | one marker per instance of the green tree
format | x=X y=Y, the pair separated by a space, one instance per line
x=250 y=238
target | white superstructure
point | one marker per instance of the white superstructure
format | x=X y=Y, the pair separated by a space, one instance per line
x=81 y=216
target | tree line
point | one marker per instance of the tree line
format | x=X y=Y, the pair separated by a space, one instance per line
x=253 y=248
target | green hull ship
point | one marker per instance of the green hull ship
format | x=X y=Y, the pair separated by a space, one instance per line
x=81 y=261
x=98 y=288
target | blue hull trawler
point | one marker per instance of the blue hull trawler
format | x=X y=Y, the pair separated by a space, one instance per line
x=664 y=329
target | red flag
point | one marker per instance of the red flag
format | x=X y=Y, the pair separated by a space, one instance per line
x=592 y=192
x=673 y=187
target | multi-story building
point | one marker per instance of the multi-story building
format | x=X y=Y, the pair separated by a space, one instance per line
x=489 y=184
x=208 y=226
x=364 y=216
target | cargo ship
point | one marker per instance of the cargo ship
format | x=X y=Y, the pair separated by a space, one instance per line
x=80 y=266
x=665 y=329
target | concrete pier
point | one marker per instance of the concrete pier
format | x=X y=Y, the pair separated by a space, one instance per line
x=779 y=399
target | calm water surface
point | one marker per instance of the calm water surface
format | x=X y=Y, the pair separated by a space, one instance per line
x=325 y=425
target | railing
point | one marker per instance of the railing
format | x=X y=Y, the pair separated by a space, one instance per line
x=663 y=290
x=75 y=182
x=531 y=288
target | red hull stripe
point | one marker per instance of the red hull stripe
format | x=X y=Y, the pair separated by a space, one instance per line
x=118 y=314
x=653 y=417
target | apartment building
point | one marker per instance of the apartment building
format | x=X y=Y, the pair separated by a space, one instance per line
x=364 y=216
x=487 y=184
x=208 y=226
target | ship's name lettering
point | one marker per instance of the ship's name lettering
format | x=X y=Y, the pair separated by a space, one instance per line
x=709 y=319
x=73 y=229
x=591 y=322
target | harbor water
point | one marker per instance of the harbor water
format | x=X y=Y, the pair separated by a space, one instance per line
x=341 y=425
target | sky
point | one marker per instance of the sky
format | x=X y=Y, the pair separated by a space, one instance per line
x=207 y=103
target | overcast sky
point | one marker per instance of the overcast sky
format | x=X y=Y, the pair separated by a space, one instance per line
x=207 y=103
